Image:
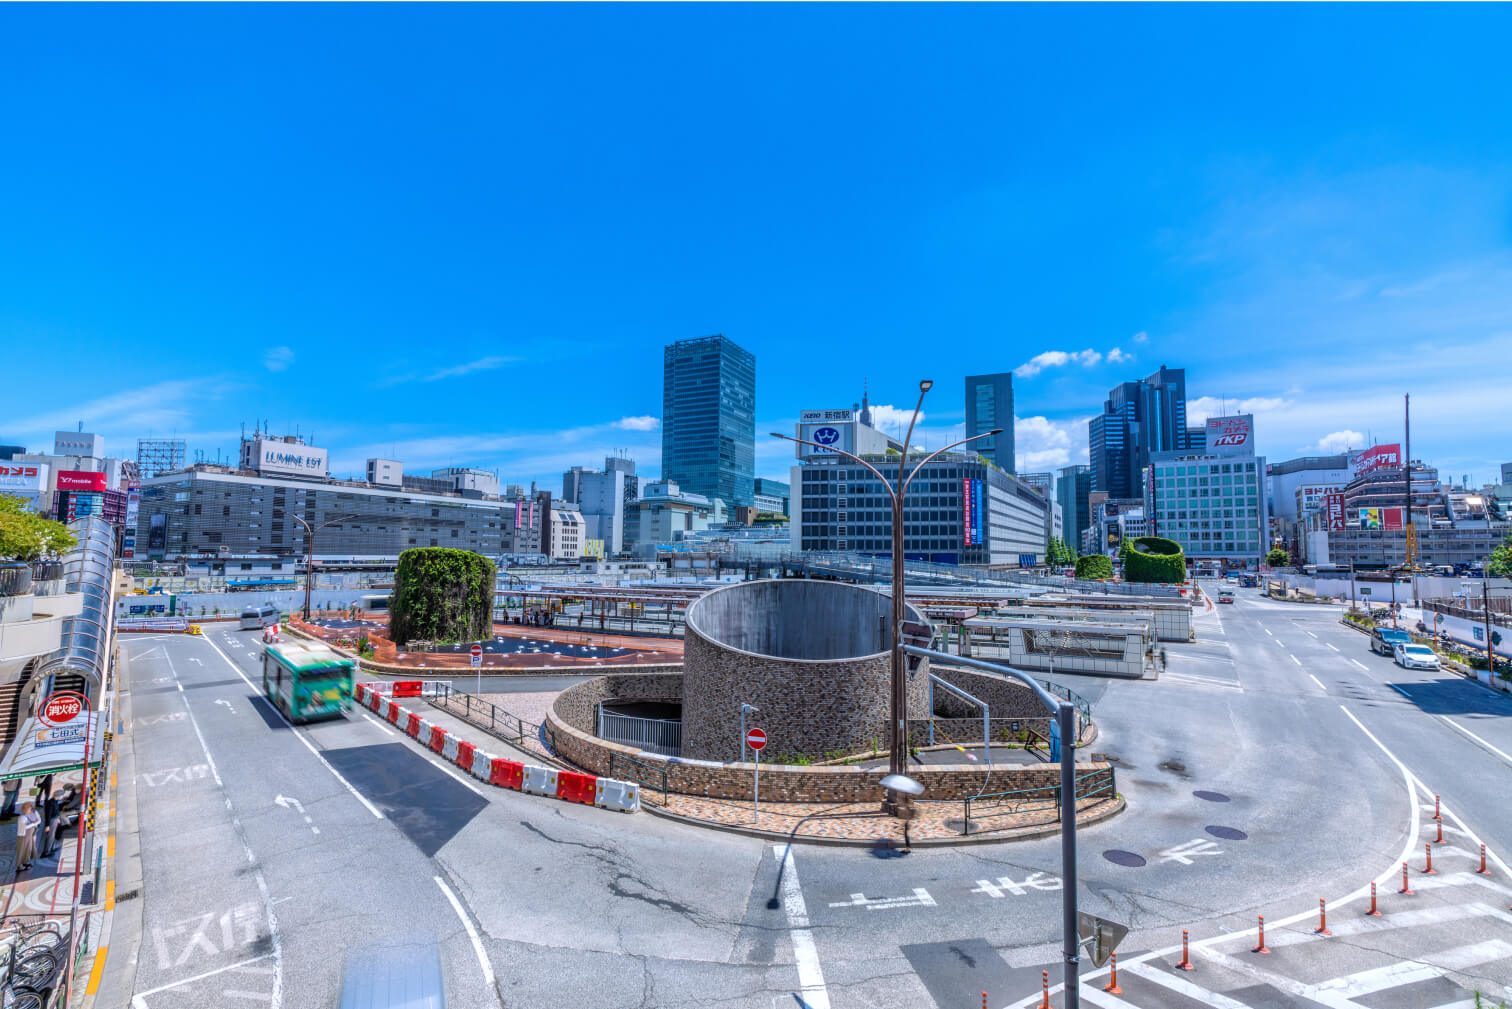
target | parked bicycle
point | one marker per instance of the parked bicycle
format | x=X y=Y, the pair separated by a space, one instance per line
x=34 y=956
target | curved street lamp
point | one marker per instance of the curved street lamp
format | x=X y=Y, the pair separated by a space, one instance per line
x=897 y=759
x=310 y=532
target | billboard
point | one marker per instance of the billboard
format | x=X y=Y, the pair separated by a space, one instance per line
x=1310 y=496
x=1376 y=457
x=1380 y=518
x=30 y=478
x=971 y=512
x=831 y=435
x=826 y=416
x=1333 y=510
x=133 y=511
x=1234 y=435
x=157 y=532
x=284 y=457
x=71 y=479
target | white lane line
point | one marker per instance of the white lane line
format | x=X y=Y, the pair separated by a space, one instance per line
x=1297 y=660
x=1267 y=631
x=1399 y=690
x=1182 y=986
x=297 y=734
x=1360 y=664
x=1317 y=681
x=1478 y=739
x=812 y=992
x=472 y=933
x=139 y=997
x=1330 y=644
x=1310 y=634
x=380 y=725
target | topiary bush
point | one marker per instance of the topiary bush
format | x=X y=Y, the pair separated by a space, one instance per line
x=1155 y=559
x=442 y=595
x=1094 y=566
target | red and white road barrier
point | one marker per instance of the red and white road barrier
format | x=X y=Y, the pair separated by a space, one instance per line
x=569 y=786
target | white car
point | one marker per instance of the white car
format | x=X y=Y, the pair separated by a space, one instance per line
x=1416 y=657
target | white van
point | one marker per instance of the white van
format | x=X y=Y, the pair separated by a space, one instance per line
x=256 y=616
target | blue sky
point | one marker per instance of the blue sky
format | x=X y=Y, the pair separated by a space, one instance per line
x=462 y=234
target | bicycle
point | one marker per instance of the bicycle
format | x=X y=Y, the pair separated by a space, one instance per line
x=34 y=958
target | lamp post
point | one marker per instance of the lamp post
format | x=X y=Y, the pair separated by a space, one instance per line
x=897 y=759
x=310 y=532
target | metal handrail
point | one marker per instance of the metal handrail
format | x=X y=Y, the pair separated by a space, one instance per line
x=629 y=769
x=1105 y=786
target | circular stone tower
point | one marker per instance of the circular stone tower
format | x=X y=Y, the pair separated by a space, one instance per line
x=813 y=656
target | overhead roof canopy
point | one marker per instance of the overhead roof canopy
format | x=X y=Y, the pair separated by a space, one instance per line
x=44 y=749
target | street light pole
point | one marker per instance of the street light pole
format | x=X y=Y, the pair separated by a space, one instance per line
x=898 y=750
x=310 y=532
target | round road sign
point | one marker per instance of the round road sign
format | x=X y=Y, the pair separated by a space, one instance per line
x=476 y=651
x=756 y=739
x=61 y=708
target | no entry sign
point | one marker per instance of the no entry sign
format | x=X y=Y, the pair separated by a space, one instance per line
x=476 y=655
x=756 y=739
x=61 y=708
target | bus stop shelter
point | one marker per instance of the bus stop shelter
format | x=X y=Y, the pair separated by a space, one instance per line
x=41 y=749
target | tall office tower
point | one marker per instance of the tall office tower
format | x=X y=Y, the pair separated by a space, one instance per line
x=159 y=455
x=709 y=419
x=989 y=404
x=1138 y=418
x=1072 y=491
x=572 y=482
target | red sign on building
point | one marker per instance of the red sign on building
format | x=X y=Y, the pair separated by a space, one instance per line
x=71 y=479
x=1333 y=510
x=1376 y=457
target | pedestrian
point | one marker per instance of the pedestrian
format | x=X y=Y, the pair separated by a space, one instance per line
x=12 y=790
x=1162 y=660
x=26 y=836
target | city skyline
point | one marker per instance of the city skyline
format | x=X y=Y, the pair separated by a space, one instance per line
x=509 y=314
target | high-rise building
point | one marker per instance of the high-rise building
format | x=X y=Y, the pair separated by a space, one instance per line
x=159 y=455
x=1138 y=418
x=1042 y=482
x=1506 y=472
x=572 y=482
x=1072 y=491
x=772 y=495
x=709 y=419
x=989 y=405
x=1212 y=501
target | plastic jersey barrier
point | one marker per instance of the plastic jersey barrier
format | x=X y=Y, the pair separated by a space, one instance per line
x=437 y=741
x=540 y=780
x=450 y=747
x=412 y=725
x=507 y=773
x=406 y=688
x=573 y=786
x=482 y=765
x=392 y=713
x=464 y=755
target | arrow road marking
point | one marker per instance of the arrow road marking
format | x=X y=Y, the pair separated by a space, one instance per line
x=1184 y=853
x=229 y=709
x=289 y=802
x=919 y=898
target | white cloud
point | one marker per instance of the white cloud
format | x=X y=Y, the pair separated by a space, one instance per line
x=1340 y=441
x=641 y=423
x=481 y=364
x=1042 y=444
x=1140 y=337
x=1055 y=359
x=278 y=358
x=1116 y=356
x=1203 y=407
x=890 y=420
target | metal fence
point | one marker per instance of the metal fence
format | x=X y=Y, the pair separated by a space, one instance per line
x=659 y=735
x=494 y=720
x=1099 y=784
x=648 y=776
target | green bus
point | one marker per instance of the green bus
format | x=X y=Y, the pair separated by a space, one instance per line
x=306 y=680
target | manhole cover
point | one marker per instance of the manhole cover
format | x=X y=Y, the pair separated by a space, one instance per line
x=963 y=826
x=1127 y=858
x=1228 y=833
x=1211 y=796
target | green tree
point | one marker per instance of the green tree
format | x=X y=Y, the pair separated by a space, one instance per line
x=1094 y=566
x=27 y=536
x=1500 y=563
x=1278 y=558
x=442 y=594
x=1155 y=559
x=1059 y=553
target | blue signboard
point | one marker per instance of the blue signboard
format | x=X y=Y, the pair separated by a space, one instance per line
x=971 y=512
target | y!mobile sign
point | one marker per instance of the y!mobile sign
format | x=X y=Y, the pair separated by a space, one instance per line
x=1376 y=457
x=1233 y=435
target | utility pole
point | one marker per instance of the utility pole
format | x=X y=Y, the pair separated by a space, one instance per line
x=1486 y=615
x=310 y=532
x=1410 y=551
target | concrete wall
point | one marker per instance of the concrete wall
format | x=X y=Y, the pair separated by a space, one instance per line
x=1173 y=620
x=823 y=685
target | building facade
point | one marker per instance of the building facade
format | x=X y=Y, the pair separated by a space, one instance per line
x=772 y=495
x=959 y=510
x=989 y=405
x=1212 y=502
x=1138 y=419
x=159 y=455
x=709 y=419
x=668 y=513
x=1072 y=491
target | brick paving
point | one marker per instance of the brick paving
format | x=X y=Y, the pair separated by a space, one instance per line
x=643 y=650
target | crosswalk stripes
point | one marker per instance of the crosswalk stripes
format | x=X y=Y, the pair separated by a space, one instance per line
x=1202 y=681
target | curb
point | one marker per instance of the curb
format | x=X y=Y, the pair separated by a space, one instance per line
x=1026 y=834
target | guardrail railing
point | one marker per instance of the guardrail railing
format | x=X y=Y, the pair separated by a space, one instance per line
x=494 y=720
x=1099 y=784
x=648 y=776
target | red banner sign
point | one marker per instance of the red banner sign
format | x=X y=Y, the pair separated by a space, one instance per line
x=1333 y=509
x=1376 y=457
x=70 y=479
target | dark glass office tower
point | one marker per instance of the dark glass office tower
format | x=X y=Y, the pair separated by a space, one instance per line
x=989 y=404
x=1072 y=491
x=709 y=418
x=1138 y=418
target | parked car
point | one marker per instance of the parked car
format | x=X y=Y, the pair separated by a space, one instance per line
x=1383 y=640
x=1226 y=596
x=1416 y=657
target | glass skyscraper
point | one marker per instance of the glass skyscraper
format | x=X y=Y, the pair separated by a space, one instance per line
x=709 y=419
x=989 y=404
x=1138 y=418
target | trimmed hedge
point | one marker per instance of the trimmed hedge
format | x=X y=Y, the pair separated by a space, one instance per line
x=1094 y=566
x=442 y=594
x=1155 y=559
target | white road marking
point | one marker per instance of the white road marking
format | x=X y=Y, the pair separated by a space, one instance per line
x=1201 y=681
x=1195 y=848
x=1267 y=631
x=176 y=775
x=139 y=1000
x=1296 y=660
x=472 y=933
x=1317 y=681
x=919 y=898
x=1182 y=986
x=380 y=725
x=1399 y=690
x=812 y=991
x=1478 y=739
x=1033 y=881
x=1360 y=664
x=1330 y=644
x=1310 y=634
x=299 y=735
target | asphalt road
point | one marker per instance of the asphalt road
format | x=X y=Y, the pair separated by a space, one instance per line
x=1262 y=771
